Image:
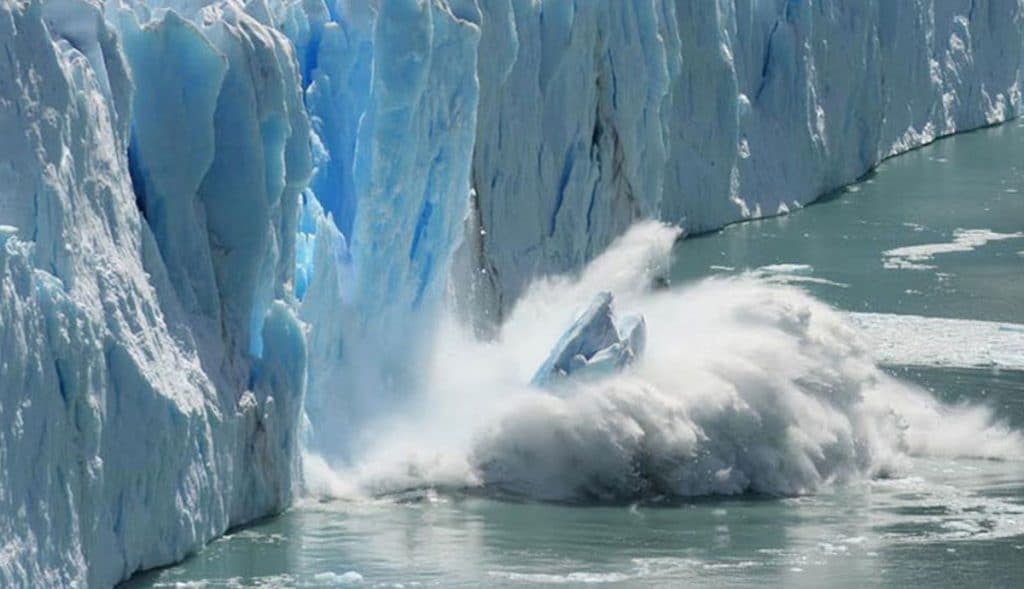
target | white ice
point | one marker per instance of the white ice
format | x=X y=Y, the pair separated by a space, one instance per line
x=914 y=257
x=936 y=341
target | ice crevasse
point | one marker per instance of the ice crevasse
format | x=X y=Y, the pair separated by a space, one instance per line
x=214 y=214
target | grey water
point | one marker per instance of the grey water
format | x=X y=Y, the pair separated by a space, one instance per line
x=943 y=523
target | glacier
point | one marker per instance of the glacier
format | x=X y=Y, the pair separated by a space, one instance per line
x=136 y=423
x=232 y=229
x=595 y=114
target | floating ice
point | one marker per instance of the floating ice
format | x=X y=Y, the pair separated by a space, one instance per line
x=912 y=257
x=596 y=344
x=935 y=341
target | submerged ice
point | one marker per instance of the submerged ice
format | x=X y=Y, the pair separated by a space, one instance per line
x=229 y=225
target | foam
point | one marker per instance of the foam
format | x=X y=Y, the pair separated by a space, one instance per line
x=793 y=274
x=582 y=578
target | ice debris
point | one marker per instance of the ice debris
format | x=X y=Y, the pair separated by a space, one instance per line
x=596 y=344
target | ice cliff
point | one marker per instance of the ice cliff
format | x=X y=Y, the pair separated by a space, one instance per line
x=149 y=382
x=593 y=114
x=214 y=213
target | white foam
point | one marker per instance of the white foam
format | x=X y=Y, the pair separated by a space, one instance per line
x=932 y=341
x=583 y=578
x=784 y=274
x=746 y=385
x=964 y=240
x=338 y=580
x=254 y=536
x=964 y=514
x=315 y=581
x=639 y=569
x=792 y=274
x=787 y=269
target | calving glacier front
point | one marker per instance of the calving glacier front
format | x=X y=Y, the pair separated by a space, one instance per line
x=213 y=212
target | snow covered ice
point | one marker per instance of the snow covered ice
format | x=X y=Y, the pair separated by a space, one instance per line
x=232 y=229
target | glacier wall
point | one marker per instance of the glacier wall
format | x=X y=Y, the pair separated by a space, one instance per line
x=594 y=114
x=214 y=213
x=150 y=383
x=393 y=100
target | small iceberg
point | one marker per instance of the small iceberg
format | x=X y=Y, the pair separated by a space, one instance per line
x=595 y=345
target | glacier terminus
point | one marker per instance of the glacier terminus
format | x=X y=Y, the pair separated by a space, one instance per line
x=232 y=234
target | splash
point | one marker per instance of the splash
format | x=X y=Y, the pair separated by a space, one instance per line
x=746 y=386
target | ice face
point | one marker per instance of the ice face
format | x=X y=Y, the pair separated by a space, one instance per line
x=135 y=423
x=393 y=100
x=595 y=114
